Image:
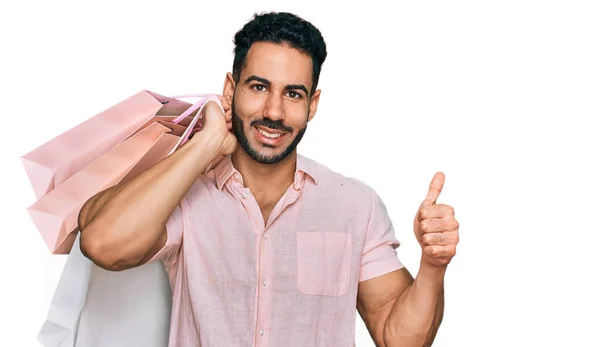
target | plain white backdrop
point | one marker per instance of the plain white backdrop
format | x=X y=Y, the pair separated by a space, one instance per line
x=503 y=97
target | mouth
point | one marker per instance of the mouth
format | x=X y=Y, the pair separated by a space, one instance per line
x=269 y=136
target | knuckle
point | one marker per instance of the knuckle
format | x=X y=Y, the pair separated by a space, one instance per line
x=423 y=213
x=451 y=210
x=444 y=260
x=424 y=225
x=441 y=238
x=426 y=239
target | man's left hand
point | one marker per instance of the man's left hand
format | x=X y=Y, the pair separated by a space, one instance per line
x=435 y=227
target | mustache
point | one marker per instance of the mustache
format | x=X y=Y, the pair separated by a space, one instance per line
x=269 y=123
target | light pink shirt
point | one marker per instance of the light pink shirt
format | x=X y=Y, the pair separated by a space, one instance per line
x=292 y=282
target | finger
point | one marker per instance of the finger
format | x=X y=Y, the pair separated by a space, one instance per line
x=435 y=188
x=435 y=211
x=225 y=103
x=221 y=101
x=440 y=251
x=437 y=225
x=440 y=239
x=230 y=144
x=212 y=114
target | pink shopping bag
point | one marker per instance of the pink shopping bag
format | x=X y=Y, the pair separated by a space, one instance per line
x=53 y=162
x=55 y=213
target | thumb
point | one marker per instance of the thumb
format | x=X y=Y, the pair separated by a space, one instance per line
x=224 y=103
x=435 y=188
x=212 y=113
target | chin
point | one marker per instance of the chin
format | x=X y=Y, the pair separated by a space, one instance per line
x=268 y=149
x=268 y=157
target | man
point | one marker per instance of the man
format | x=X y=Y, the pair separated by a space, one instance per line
x=265 y=247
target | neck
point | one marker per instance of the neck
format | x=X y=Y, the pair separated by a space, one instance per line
x=265 y=178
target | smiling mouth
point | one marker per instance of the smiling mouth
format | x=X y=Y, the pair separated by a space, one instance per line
x=269 y=137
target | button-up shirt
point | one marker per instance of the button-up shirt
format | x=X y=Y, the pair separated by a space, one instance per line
x=292 y=281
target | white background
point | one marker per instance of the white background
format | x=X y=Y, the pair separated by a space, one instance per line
x=503 y=97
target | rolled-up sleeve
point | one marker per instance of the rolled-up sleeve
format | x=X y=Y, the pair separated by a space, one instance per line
x=379 y=252
x=175 y=226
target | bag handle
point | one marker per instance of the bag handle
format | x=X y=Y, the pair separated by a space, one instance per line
x=197 y=105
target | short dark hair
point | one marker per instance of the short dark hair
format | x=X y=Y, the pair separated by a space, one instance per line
x=279 y=28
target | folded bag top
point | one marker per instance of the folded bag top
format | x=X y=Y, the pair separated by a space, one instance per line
x=55 y=213
x=58 y=159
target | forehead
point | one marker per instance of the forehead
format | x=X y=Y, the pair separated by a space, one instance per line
x=279 y=63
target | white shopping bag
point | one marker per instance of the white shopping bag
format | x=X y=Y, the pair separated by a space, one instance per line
x=92 y=307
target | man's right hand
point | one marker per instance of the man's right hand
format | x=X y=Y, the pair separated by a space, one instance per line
x=117 y=234
x=217 y=127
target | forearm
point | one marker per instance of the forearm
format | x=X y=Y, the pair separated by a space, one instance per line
x=126 y=222
x=417 y=313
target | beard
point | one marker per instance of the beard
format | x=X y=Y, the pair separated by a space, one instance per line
x=237 y=125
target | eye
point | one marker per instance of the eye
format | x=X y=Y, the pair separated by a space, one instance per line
x=294 y=95
x=259 y=87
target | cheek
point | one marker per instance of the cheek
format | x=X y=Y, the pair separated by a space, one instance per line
x=248 y=104
x=296 y=114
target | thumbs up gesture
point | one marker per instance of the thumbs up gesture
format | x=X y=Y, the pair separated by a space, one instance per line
x=435 y=227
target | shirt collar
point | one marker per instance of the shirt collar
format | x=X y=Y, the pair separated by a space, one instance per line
x=304 y=166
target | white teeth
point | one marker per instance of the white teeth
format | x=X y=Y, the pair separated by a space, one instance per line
x=266 y=134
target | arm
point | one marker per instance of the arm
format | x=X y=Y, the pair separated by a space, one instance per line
x=125 y=225
x=399 y=311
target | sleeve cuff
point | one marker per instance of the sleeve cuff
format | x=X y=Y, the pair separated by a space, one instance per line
x=174 y=236
x=380 y=267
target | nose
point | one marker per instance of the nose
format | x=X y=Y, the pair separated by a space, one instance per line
x=274 y=107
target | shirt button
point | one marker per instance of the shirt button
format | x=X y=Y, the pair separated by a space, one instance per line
x=265 y=283
x=262 y=332
x=244 y=195
x=265 y=236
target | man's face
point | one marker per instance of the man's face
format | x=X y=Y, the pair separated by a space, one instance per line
x=271 y=105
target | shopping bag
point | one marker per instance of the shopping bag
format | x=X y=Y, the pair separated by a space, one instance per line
x=92 y=307
x=58 y=159
x=55 y=214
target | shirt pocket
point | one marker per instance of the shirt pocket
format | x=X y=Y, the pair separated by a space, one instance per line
x=324 y=262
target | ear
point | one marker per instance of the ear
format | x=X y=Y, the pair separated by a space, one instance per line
x=228 y=88
x=314 y=102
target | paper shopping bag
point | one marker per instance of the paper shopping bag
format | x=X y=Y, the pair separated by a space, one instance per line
x=55 y=214
x=178 y=135
x=58 y=159
x=92 y=307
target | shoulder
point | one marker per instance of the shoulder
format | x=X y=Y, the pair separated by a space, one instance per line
x=342 y=200
x=339 y=185
x=203 y=187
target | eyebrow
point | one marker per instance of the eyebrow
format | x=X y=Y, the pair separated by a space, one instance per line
x=268 y=83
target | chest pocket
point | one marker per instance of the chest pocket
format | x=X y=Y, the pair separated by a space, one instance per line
x=324 y=262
